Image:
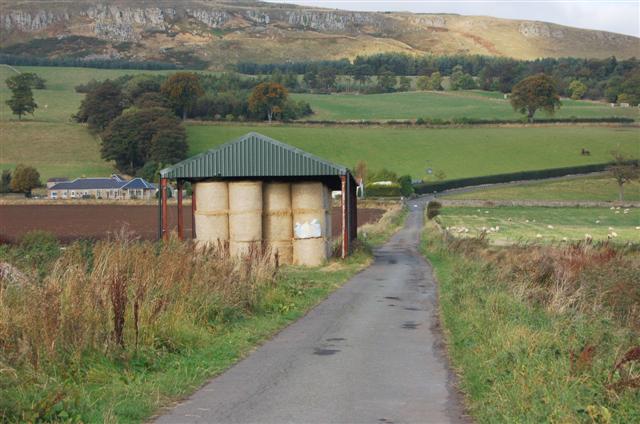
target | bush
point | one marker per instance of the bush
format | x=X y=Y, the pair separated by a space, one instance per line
x=406 y=188
x=433 y=209
x=392 y=190
x=38 y=250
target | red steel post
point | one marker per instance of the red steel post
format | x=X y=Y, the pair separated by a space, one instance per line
x=180 y=214
x=193 y=211
x=163 y=194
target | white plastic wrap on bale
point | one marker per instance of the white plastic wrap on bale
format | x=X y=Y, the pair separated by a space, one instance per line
x=245 y=211
x=212 y=212
x=310 y=204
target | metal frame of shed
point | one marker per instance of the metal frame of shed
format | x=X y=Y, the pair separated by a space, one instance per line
x=258 y=157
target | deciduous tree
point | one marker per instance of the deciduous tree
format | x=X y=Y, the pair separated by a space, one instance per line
x=577 y=89
x=21 y=101
x=101 y=105
x=137 y=137
x=25 y=178
x=623 y=170
x=268 y=99
x=533 y=93
x=182 y=89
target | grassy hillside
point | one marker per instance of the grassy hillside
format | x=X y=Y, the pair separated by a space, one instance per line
x=442 y=105
x=459 y=152
x=59 y=147
x=598 y=188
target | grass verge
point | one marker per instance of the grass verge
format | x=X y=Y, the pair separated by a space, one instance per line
x=535 y=343
x=117 y=336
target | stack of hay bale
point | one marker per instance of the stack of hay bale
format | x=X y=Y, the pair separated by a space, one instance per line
x=292 y=219
x=212 y=212
x=277 y=224
x=312 y=223
x=245 y=216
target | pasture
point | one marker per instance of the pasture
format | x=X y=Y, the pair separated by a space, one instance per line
x=458 y=152
x=601 y=188
x=442 y=105
x=543 y=224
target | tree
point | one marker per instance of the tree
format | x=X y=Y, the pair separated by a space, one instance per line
x=533 y=93
x=577 y=89
x=623 y=170
x=435 y=82
x=404 y=84
x=362 y=74
x=461 y=80
x=25 y=178
x=182 y=89
x=386 y=81
x=5 y=181
x=137 y=137
x=423 y=83
x=268 y=99
x=326 y=78
x=100 y=106
x=21 y=101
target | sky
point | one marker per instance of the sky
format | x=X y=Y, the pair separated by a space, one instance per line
x=621 y=16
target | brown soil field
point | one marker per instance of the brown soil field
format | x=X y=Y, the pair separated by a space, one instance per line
x=73 y=222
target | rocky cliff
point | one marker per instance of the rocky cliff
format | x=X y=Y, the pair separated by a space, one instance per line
x=219 y=32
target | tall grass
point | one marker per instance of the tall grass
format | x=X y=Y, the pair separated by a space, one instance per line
x=119 y=298
x=542 y=333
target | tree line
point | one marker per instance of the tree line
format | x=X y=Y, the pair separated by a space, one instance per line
x=595 y=79
x=139 y=118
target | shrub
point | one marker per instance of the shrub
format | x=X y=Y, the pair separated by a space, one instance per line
x=406 y=187
x=433 y=209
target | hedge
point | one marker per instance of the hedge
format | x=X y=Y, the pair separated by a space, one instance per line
x=425 y=188
x=382 y=190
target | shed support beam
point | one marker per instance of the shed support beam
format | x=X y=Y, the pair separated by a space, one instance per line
x=345 y=217
x=163 y=195
x=193 y=211
x=180 y=214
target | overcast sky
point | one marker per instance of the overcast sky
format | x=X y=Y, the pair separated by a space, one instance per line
x=622 y=16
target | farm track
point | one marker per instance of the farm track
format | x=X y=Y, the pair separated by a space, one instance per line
x=372 y=352
x=73 y=222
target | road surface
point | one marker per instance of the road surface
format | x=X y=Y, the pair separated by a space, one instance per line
x=370 y=353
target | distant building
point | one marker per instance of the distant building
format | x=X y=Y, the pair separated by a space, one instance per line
x=114 y=187
x=53 y=181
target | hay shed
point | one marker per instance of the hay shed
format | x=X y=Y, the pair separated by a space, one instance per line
x=256 y=191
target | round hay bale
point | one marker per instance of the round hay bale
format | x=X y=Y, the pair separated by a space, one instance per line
x=308 y=195
x=212 y=227
x=211 y=216
x=211 y=196
x=245 y=211
x=284 y=251
x=245 y=196
x=276 y=197
x=277 y=226
x=309 y=252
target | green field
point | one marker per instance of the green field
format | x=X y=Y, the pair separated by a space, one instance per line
x=459 y=152
x=597 y=188
x=59 y=147
x=441 y=105
x=542 y=224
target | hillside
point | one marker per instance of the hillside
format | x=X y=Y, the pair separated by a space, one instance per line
x=215 y=33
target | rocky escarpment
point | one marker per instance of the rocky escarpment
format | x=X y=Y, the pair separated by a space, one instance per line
x=227 y=31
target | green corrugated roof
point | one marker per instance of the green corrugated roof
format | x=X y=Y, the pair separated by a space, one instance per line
x=253 y=155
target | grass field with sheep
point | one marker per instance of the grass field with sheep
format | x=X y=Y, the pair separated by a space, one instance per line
x=509 y=225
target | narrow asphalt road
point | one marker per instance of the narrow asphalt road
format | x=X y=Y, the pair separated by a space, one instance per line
x=370 y=353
